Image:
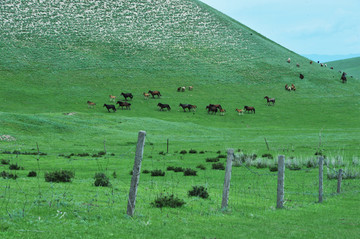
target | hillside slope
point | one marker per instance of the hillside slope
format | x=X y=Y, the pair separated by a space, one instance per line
x=350 y=66
x=57 y=55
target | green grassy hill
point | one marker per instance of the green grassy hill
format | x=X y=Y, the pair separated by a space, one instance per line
x=57 y=55
x=350 y=66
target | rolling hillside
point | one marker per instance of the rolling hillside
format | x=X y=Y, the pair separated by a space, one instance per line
x=57 y=55
x=350 y=66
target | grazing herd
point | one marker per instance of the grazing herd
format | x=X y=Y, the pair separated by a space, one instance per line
x=211 y=108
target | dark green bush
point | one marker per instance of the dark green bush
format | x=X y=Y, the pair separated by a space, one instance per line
x=178 y=169
x=221 y=156
x=167 y=201
x=157 y=172
x=170 y=168
x=267 y=155
x=161 y=153
x=101 y=180
x=14 y=167
x=201 y=152
x=190 y=172
x=101 y=153
x=192 y=151
x=114 y=174
x=212 y=160
x=83 y=155
x=145 y=171
x=59 y=176
x=183 y=152
x=218 y=166
x=201 y=166
x=6 y=175
x=198 y=191
x=273 y=168
x=5 y=161
x=32 y=174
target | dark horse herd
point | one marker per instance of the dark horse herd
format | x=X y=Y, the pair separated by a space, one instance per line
x=211 y=108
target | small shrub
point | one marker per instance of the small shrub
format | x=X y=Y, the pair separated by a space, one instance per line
x=201 y=166
x=183 y=152
x=114 y=174
x=83 y=155
x=167 y=201
x=201 y=152
x=192 y=151
x=273 y=168
x=267 y=155
x=14 y=167
x=101 y=180
x=59 y=176
x=178 y=169
x=190 y=172
x=157 y=172
x=198 y=191
x=101 y=153
x=6 y=175
x=112 y=154
x=32 y=174
x=131 y=172
x=161 y=153
x=145 y=171
x=221 y=156
x=218 y=166
x=218 y=152
x=212 y=160
x=5 y=161
x=170 y=168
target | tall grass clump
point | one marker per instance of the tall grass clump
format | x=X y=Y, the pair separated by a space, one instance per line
x=101 y=180
x=198 y=191
x=167 y=201
x=59 y=176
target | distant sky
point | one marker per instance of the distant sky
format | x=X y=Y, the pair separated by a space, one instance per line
x=307 y=27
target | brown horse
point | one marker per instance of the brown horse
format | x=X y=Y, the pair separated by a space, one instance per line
x=127 y=95
x=193 y=107
x=91 y=104
x=155 y=92
x=212 y=108
x=222 y=112
x=240 y=111
x=293 y=87
x=269 y=100
x=124 y=104
x=343 y=77
x=249 y=109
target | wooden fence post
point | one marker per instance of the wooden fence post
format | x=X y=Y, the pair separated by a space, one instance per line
x=281 y=178
x=225 y=197
x=321 y=178
x=339 y=181
x=136 y=173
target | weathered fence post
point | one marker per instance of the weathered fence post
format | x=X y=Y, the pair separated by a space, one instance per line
x=339 y=181
x=136 y=173
x=281 y=178
x=225 y=197
x=321 y=178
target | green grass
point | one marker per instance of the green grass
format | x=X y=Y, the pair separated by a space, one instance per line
x=48 y=70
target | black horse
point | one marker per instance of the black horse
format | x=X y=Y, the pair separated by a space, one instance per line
x=249 y=109
x=108 y=107
x=127 y=95
x=163 y=106
x=124 y=104
x=343 y=77
x=186 y=106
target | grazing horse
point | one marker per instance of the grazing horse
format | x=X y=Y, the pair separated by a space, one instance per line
x=126 y=95
x=222 y=112
x=91 y=104
x=191 y=87
x=193 y=107
x=112 y=97
x=218 y=106
x=249 y=109
x=182 y=89
x=293 y=87
x=269 y=100
x=212 y=108
x=124 y=104
x=163 y=106
x=297 y=64
x=146 y=95
x=343 y=77
x=155 y=92
x=108 y=107
x=240 y=111
x=301 y=76
x=186 y=106
x=289 y=60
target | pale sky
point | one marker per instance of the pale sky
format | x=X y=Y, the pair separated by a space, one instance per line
x=323 y=27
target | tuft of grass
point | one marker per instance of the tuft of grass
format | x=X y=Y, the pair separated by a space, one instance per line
x=190 y=172
x=59 y=176
x=198 y=191
x=167 y=201
x=157 y=172
x=101 y=180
